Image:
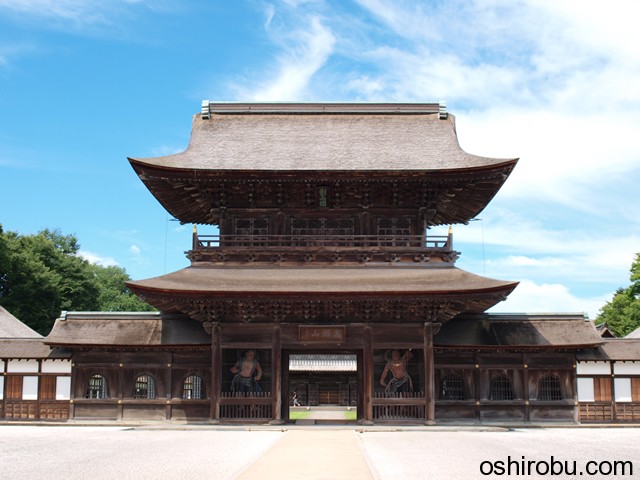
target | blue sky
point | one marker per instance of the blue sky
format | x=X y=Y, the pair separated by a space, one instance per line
x=84 y=84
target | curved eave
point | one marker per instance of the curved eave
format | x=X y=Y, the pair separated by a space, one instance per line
x=185 y=193
x=204 y=282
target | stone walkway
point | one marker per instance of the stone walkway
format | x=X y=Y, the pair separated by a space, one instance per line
x=312 y=455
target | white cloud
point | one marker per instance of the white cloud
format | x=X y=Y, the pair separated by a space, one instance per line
x=135 y=250
x=97 y=259
x=531 y=297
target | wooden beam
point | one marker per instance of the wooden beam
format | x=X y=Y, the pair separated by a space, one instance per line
x=429 y=375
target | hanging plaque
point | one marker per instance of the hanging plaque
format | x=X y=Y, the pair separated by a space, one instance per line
x=314 y=333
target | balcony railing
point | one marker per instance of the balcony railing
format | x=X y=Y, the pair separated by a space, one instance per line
x=328 y=249
x=350 y=242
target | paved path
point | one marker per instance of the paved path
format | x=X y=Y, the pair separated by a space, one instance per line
x=312 y=455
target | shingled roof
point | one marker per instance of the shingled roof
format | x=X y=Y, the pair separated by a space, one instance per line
x=250 y=150
x=519 y=330
x=11 y=327
x=286 y=137
x=112 y=329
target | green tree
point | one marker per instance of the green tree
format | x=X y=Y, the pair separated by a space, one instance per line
x=114 y=295
x=622 y=313
x=42 y=275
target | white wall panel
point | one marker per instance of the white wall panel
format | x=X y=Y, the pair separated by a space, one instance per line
x=1 y=388
x=56 y=366
x=593 y=368
x=30 y=388
x=626 y=368
x=623 y=389
x=585 y=390
x=22 y=366
x=63 y=388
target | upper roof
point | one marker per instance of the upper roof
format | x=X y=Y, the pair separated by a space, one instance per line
x=519 y=330
x=11 y=327
x=323 y=137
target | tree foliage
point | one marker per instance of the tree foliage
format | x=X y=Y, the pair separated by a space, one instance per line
x=622 y=313
x=42 y=275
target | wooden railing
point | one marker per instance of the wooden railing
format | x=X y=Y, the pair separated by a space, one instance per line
x=245 y=406
x=399 y=406
x=436 y=242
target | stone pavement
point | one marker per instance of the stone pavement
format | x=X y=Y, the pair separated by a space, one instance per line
x=312 y=455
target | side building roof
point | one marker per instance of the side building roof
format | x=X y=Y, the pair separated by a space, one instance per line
x=117 y=329
x=518 y=330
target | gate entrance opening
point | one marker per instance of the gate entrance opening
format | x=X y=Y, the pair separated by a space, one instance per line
x=323 y=386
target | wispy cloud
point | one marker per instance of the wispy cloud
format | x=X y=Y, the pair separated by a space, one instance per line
x=307 y=50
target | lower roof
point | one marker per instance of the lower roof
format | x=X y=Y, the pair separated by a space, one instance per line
x=211 y=279
x=153 y=329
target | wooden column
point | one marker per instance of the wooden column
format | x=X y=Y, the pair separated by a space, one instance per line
x=120 y=413
x=367 y=381
x=216 y=371
x=168 y=379
x=276 y=377
x=429 y=375
x=525 y=387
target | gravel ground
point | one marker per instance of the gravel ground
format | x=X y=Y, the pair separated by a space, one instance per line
x=96 y=453
x=459 y=455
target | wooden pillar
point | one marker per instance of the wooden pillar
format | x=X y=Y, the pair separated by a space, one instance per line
x=614 y=413
x=367 y=381
x=120 y=387
x=429 y=375
x=525 y=387
x=477 y=380
x=216 y=371
x=168 y=379
x=276 y=377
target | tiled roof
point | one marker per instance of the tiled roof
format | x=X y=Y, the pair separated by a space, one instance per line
x=323 y=363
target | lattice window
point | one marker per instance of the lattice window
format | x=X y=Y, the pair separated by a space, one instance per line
x=451 y=387
x=251 y=226
x=192 y=388
x=97 y=387
x=549 y=388
x=398 y=231
x=322 y=226
x=501 y=388
x=145 y=387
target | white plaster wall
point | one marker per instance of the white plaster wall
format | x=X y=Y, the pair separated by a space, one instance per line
x=1 y=365
x=56 y=366
x=63 y=388
x=585 y=390
x=1 y=388
x=593 y=368
x=626 y=368
x=22 y=366
x=30 y=388
x=623 y=389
